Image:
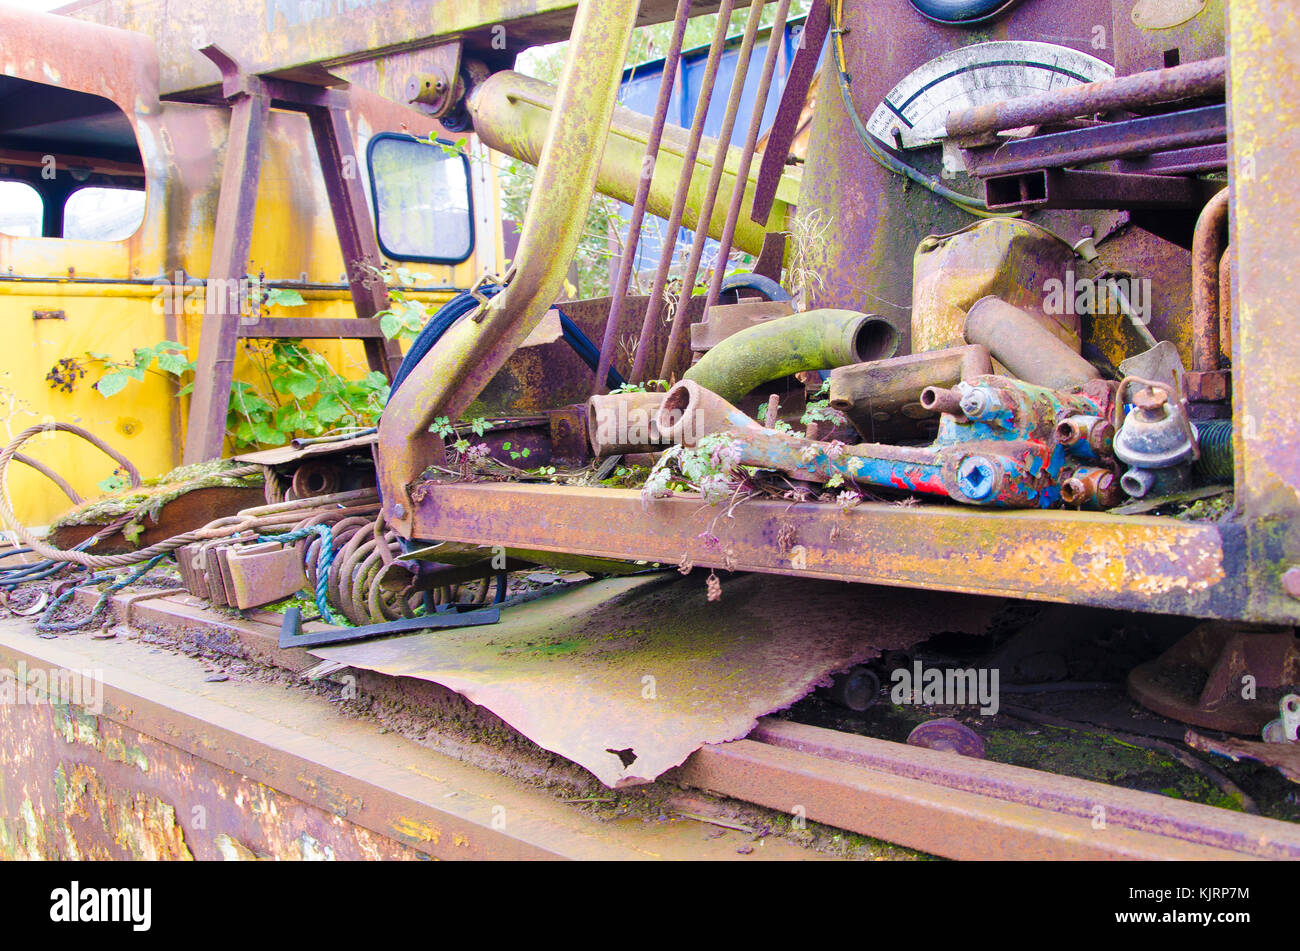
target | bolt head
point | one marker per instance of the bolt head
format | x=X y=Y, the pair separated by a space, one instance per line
x=1291 y=582
x=977 y=478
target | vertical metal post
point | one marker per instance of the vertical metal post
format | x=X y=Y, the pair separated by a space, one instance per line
x=342 y=172
x=677 y=335
x=1264 y=106
x=232 y=239
x=655 y=304
x=775 y=45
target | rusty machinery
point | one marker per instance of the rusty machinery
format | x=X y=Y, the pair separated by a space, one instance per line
x=1040 y=252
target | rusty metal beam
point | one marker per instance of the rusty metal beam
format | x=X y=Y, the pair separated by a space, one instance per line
x=1264 y=99
x=970 y=809
x=231 y=243
x=342 y=172
x=282 y=35
x=1130 y=809
x=1129 y=562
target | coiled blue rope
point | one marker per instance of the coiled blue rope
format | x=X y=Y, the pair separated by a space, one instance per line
x=324 y=558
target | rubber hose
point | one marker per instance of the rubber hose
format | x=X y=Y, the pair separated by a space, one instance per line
x=756 y=282
x=962 y=12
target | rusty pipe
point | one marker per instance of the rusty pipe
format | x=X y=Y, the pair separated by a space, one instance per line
x=1025 y=347
x=623 y=423
x=690 y=412
x=1225 y=304
x=813 y=340
x=1208 y=244
x=875 y=391
x=1190 y=81
x=472 y=351
x=511 y=113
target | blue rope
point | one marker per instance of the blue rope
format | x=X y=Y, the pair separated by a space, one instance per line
x=324 y=558
x=50 y=626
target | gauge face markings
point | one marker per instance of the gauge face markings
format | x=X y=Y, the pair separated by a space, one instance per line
x=914 y=112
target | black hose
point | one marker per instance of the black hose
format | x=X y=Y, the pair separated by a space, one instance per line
x=464 y=303
x=756 y=282
x=962 y=12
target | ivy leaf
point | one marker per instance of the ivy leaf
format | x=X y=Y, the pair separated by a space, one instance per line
x=172 y=362
x=390 y=325
x=283 y=297
x=328 y=409
x=111 y=384
x=264 y=432
x=132 y=532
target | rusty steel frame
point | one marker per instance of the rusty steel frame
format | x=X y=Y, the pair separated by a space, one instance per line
x=964 y=808
x=251 y=98
x=1227 y=569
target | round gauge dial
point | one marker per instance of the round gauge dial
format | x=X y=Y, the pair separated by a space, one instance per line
x=912 y=116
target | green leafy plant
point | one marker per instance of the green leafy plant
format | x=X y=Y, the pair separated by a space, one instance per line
x=167 y=358
x=303 y=396
x=405 y=316
x=300 y=393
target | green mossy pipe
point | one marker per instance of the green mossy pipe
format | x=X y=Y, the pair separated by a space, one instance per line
x=813 y=340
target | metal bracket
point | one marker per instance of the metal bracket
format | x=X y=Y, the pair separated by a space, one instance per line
x=291 y=634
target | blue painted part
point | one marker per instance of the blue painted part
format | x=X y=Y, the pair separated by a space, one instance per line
x=639 y=92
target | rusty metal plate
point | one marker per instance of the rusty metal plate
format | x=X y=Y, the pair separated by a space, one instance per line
x=629 y=676
x=262 y=574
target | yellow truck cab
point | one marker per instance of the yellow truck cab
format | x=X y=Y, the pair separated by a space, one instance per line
x=109 y=202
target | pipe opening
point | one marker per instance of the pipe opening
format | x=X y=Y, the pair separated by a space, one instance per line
x=876 y=339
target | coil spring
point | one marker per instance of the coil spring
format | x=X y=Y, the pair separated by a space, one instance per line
x=1215 y=439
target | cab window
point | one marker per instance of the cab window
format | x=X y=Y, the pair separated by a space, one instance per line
x=421 y=192
x=70 y=166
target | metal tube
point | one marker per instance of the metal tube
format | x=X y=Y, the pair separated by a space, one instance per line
x=655 y=304
x=1190 y=81
x=1208 y=244
x=774 y=45
x=783 y=346
x=512 y=112
x=472 y=351
x=677 y=335
x=618 y=291
x=1225 y=304
x=622 y=423
x=1025 y=347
